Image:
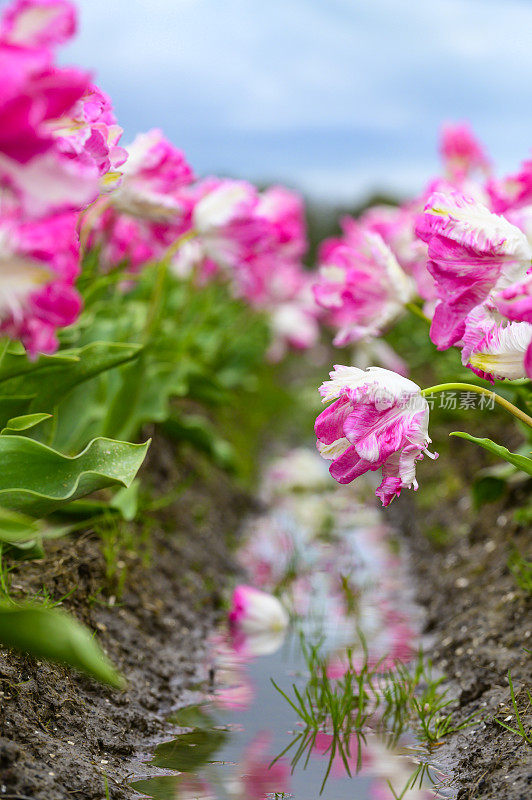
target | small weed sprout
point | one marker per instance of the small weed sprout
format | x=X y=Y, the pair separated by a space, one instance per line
x=521 y=731
x=367 y=698
x=521 y=569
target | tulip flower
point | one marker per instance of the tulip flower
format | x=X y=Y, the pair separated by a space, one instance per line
x=58 y=136
x=496 y=349
x=153 y=176
x=362 y=286
x=38 y=23
x=378 y=420
x=461 y=151
x=39 y=261
x=473 y=255
x=286 y=213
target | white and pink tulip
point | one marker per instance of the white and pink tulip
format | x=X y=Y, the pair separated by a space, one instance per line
x=378 y=420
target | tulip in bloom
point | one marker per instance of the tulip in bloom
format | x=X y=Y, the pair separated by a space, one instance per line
x=285 y=211
x=362 y=286
x=515 y=302
x=153 y=176
x=258 y=621
x=461 y=151
x=397 y=226
x=498 y=348
x=90 y=133
x=473 y=255
x=231 y=233
x=38 y=23
x=512 y=192
x=38 y=264
x=34 y=96
x=378 y=420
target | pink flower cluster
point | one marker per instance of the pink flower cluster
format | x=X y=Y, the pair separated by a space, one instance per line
x=60 y=153
x=464 y=248
x=58 y=148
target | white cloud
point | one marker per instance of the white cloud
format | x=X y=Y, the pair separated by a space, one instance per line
x=380 y=75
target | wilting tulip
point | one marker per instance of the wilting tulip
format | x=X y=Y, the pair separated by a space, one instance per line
x=473 y=255
x=258 y=621
x=378 y=420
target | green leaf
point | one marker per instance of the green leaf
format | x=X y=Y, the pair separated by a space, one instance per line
x=17 y=528
x=36 y=479
x=126 y=501
x=13 y=406
x=22 y=535
x=521 y=462
x=198 y=432
x=55 y=636
x=24 y=423
x=50 y=378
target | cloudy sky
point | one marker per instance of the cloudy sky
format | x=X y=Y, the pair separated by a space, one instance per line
x=338 y=97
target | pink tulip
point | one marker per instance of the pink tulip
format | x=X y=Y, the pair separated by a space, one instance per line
x=39 y=262
x=378 y=420
x=461 y=151
x=38 y=23
x=473 y=255
x=361 y=285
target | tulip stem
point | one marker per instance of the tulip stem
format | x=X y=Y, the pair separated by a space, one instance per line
x=4 y=344
x=156 y=299
x=179 y=242
x=417 y=311
x=469 y=387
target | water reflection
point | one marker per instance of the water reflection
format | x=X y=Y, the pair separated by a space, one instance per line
x=328 y=707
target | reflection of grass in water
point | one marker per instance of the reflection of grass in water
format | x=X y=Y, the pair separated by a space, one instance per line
x=390 y=702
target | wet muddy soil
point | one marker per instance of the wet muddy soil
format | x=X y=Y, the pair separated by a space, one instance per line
x=63 y=736
x=479 y=619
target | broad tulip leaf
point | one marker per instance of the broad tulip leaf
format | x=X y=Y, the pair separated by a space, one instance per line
x=16 y=364
x=126 y=501
x=521 y=462
x=49 y=379
x=22 y=535
x=36 y=480
x=24 y=423
x=13 y=406
x=56 y=636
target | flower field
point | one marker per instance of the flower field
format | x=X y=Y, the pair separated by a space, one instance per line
x=164 y=336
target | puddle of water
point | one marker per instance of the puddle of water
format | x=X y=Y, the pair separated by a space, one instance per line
x=320 y=711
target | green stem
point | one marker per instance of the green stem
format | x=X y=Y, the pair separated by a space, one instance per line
x=160 y=281
x=4 y=344
x=469 y=387
x=418 y=312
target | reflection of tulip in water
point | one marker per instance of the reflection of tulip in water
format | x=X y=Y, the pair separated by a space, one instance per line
x=254 y=779
x=258 y=621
